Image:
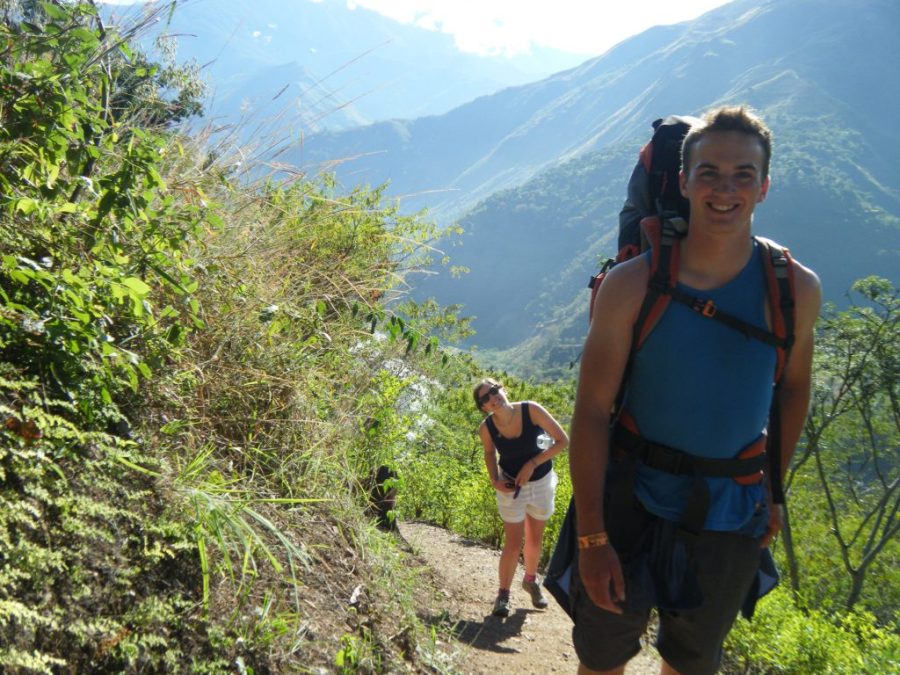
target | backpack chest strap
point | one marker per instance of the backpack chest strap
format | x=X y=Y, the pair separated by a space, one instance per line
x=708 y=309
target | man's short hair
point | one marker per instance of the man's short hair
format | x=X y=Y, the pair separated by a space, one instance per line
x=729 y=118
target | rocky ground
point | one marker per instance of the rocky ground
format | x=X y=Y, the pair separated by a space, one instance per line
x=528 y=642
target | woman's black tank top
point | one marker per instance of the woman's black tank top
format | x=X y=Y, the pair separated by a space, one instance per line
x=514 y=452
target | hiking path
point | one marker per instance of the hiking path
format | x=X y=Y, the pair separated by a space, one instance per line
x=529 y=642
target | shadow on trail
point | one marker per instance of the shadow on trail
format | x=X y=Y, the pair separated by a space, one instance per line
x=488 y=634
x=471 y=543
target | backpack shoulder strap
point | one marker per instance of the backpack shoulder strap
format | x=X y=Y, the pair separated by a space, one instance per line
x=779 y=268
x=662 y=235
x=665 y=259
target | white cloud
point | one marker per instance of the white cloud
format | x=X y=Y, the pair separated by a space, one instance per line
x=512 y=26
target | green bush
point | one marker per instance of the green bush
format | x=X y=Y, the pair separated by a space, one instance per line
x=474 y=510
x=781 y=638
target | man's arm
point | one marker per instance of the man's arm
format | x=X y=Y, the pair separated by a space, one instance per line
x=603 y=362
x=796 y=385
x=796 y=381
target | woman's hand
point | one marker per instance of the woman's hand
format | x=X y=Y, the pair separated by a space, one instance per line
x=503 y=484
x=601 y=574
x=526 y=472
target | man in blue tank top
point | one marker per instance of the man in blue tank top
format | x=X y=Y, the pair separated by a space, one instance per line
x=701 y=388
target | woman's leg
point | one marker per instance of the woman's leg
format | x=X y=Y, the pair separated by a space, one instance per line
x=509 y=557
x=534 y=534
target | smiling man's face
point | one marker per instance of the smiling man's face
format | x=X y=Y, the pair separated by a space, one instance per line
x=725 y=180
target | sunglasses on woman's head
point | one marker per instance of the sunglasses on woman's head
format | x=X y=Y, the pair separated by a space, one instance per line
x=484 y=398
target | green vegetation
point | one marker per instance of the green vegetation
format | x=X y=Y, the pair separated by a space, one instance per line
x=185 y=371
x=836 y=609
x=200 y=374
x=848 y=468
x=786 y=638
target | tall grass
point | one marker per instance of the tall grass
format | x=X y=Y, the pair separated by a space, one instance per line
x=186 y=343
x=266 y=413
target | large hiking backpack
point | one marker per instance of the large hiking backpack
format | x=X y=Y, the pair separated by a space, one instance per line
x=655 y=217
x=653 y=191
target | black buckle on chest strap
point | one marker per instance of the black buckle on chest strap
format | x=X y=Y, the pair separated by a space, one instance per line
x=707 y=308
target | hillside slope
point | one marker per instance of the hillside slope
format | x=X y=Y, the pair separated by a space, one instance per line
x=564 y=147
x=746 y=50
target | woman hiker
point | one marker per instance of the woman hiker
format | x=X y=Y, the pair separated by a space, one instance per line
x=523 y=479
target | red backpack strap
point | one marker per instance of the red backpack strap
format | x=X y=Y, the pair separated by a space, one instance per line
x=779 y=268
x=665 y=258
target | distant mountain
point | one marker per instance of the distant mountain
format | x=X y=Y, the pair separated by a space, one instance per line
x=322 y=64
x=815 y=69
x=763 y=51
x=532 y=249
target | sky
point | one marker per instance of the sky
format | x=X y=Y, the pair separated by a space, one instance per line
x=509 y=27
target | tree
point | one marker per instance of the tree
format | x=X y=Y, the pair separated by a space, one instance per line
x=849 y=458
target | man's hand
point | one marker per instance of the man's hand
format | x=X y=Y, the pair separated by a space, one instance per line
x=601 y=574
x=776 y=522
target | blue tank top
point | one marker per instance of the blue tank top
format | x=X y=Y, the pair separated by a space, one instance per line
x=701 y=387
x=514 y=452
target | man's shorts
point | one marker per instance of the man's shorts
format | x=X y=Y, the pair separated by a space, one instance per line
x=689 y=640
x=536 y=498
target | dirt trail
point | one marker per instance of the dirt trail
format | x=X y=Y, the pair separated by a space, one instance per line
x=529 y=641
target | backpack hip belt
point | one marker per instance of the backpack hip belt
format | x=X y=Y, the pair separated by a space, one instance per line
x=746 y=468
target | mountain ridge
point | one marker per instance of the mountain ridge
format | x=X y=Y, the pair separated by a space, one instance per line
x=814 y=70
x=618 y=92
x=374 y=67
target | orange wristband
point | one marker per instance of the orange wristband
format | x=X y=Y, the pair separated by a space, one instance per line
x=593 y=540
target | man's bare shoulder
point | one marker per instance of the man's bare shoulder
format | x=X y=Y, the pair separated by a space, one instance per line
x=808 y=292
x=621 y=293
x=805 y=278
x=627 y=279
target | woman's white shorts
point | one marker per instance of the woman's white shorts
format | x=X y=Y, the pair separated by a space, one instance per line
x=536 y=498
